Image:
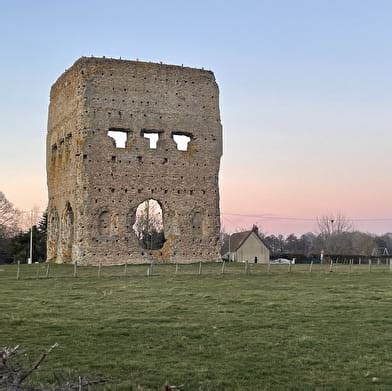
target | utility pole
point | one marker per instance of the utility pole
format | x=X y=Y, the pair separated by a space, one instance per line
x=229 y=247
x=331 y=237
x=30 y=261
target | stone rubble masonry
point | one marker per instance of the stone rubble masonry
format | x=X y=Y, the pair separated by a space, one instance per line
x=95 y=187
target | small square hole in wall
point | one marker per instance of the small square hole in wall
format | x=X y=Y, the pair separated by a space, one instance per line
x=119 y=135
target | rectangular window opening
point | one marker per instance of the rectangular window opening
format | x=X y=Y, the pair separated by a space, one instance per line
x=151 y=135
x=182 y=139
x=119 y=135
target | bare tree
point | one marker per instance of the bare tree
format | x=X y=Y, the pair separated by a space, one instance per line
x=149 y=224
x=17 y=369
x=223 y=237
x=29 y=218
x=333 y=230
x=334 y=224
x=362 y=243
x=8 y=214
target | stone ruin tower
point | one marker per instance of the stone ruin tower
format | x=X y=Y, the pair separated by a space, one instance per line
x=95 y=185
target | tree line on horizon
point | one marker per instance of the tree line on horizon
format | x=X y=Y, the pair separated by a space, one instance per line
x=336 y=236
x=15 y=238
x=354 y=243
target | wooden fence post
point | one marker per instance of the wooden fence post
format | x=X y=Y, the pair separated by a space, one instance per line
x=47 y=270
x=351 y=264
x=18 y=271
x=200 y=268
x=310 y=267
x=151 y=269
x=176 y=268
x=223 y=267
x=125 y=268
x=289 y=267
x=331 y=266
x=74 y=271
x=370 y=265
x=99 y=269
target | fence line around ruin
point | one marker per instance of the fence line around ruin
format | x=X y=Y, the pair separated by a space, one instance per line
x=48 y=270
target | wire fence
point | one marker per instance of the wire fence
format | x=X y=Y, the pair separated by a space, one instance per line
x=49 y=270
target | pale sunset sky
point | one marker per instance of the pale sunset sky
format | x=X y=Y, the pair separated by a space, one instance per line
x=305 y=96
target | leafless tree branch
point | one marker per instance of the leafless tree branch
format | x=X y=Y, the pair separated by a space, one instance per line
x=13 y=376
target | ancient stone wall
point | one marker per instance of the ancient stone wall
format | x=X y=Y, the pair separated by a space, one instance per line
x=95 y=186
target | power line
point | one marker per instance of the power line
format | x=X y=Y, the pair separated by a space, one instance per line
x=231 y=222
x=265 y=216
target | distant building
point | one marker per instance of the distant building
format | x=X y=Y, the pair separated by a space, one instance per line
x=245 y=246
x=377 y=251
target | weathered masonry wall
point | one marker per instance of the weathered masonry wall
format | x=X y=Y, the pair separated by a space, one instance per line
x=95 y=187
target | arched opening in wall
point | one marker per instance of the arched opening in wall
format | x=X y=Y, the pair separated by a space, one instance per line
x=114 y=225
x=53 y=234
x=148 y=225
x=197 y=222
x=103 y=223
x=67 y=230
x=182 y=139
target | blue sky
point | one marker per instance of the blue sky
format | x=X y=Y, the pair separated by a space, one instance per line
x=305 y=95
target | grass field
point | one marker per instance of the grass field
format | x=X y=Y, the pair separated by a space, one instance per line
x=236 y=331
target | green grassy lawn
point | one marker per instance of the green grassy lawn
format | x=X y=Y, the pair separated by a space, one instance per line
x=236 y=331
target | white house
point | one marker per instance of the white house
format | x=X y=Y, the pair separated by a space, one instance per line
x=245 y=246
